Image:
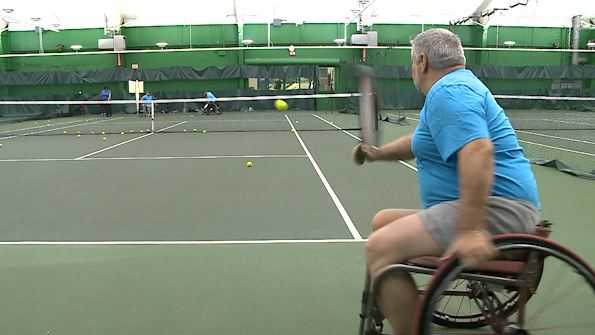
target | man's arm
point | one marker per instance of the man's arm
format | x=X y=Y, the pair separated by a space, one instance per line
x=399 y=149
x=476 y=169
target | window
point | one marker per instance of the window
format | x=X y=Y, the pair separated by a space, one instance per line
x=326 y=79
x=279 y=84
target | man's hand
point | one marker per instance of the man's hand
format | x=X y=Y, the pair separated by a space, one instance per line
x=472 y=247
x=365 y=152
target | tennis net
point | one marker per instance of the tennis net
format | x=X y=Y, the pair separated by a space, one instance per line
x=549 y=112
x=313 y=112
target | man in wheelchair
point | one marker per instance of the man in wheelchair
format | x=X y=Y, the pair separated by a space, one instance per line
x=211 y=107
x=474 y=179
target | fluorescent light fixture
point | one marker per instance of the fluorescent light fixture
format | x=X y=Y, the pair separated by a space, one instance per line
x=340 y=41
x=591 y=44
x=161 y=45
x=509 y=43
x=76 y=47
x=247 y=42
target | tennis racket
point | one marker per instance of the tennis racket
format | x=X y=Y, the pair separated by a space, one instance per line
x=368 y=112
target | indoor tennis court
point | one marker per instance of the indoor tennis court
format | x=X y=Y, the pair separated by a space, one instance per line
x=165 y=219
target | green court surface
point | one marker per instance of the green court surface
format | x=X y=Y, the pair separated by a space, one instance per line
x=173 y=234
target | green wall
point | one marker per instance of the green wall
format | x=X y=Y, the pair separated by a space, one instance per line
x=317 y=34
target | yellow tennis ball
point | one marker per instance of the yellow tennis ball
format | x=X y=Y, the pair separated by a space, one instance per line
x=281 y=105
x=79 y=135
x=204 y=131
x=105 y=138
x=248 y=164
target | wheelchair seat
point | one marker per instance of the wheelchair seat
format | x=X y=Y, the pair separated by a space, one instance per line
x=512 y=265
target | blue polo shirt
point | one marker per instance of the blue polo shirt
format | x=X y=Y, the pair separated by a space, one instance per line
x=105 y=94
x=459 y=109
x=211 y=97
x=147 y=98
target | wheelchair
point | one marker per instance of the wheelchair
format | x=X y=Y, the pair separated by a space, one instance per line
x=211 y=108
x=518 y=293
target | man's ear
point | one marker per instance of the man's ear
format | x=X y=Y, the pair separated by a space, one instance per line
x=423 y=60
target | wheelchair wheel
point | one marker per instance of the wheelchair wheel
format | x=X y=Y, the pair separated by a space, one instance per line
x=555 y=296
x=464 y=294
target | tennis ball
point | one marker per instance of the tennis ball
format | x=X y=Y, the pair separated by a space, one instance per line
x=105 y=138
x=66 y=132
x=122 y=133
x=79 y=135
x=248 y=164
x=194 y=129
x=281 y=105
x=204 y=131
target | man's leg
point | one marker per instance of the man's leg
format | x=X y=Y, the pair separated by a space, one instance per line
x=396 y=242
x=386 y=216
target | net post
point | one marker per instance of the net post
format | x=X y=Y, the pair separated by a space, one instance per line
x=152 y=116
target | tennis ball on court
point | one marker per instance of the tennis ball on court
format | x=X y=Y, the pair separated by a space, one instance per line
x=65 y=132
x=281 y=105
x=121 y=133
x=105 y=138
x=248 y=164
x=194 y=129
x=204 y=131
x=103 y=133
x=0 y=145
x=79 y=135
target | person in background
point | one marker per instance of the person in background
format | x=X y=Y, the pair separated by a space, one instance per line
x=211 y=105
x=146 y=103
x=106 y=95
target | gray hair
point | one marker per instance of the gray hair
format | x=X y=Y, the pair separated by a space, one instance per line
x=442 y=47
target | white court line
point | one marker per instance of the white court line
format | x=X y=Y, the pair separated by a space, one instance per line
x=341 y=129
x=352 y=229
x=128 y=141
x=7 y=138
x=359 y=139
x=239 y=242
x=569 y=122
x=42 y=126
x=75 y=125
x=549 y=146
x=146 y=158
x=555 y=137
x=558 y=148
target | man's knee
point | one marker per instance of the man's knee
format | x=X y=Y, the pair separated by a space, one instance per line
x=386 y=216
x=381 y=219
x=381 y=252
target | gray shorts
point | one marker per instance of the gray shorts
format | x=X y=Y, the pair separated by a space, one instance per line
x=504 y=216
